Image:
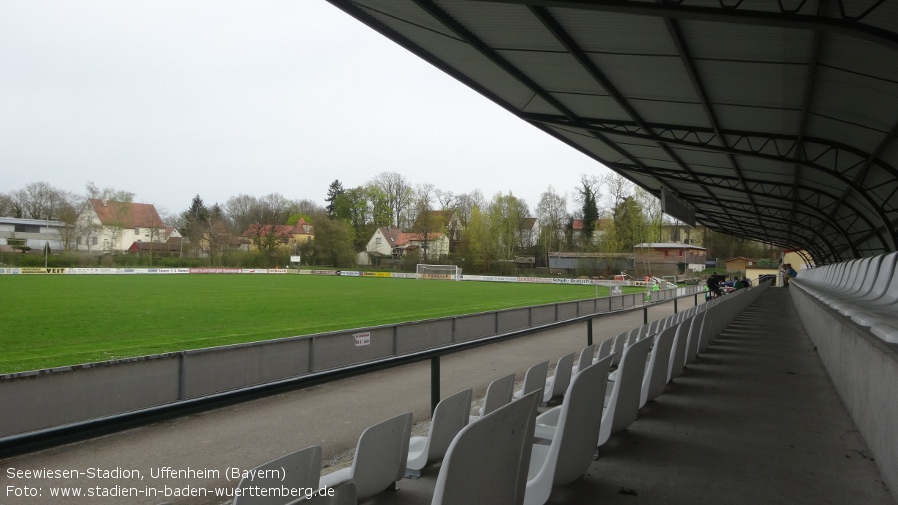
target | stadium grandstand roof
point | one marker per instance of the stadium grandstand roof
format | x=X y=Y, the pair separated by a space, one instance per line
x=774 y=120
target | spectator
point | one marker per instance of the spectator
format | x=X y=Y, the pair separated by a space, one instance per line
x=788 y=274
x=714 y=285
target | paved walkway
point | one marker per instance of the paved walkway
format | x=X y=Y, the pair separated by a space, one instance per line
x=753 y=420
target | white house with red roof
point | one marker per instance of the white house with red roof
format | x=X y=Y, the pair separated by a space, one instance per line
x=389 y=242
x=107 y=225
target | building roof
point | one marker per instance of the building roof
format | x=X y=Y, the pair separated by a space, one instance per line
x=667 y=245
x=398 y=238
x=773 y=121
x=33 y=222
x=126 y=214
x=528 y=223
x=279 y=230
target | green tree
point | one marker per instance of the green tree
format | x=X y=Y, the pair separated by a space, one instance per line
x=589 y=208
x=506 y=212
x=629 y=224
x=334 y=191
x=477 y=241
x=333 y=242
x=196 y=224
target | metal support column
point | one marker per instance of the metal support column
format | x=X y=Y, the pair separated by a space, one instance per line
x=434 y=383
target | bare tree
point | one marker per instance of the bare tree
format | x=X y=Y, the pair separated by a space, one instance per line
x=241 y=211
x=108 y=193
x=466 y=203
x=8 y=206
x=552 y=214
x=447 y=199
x=399 y=195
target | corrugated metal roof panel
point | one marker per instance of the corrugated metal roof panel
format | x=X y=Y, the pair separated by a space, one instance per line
x=717 y=100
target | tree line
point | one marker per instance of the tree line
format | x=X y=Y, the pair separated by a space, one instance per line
x=610 y=215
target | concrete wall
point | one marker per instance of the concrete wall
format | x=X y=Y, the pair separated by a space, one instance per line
x=58 y=396
x=864 y=370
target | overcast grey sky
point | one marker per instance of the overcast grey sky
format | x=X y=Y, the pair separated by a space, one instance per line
x=168 y=99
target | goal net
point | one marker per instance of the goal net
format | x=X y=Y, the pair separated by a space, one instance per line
x=441 y=272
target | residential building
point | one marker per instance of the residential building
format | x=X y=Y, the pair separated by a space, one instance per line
x=683 y=234
x=110 y=226
x=389 y=242
x=445 y=222
x=277 y=236
x=581 y=263
x=739 y=264
x=31 y=234
x=668 y=258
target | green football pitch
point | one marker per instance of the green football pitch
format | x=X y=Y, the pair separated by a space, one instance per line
x=55 y=320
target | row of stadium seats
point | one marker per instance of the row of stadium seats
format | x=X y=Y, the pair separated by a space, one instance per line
x=492 y=457
x=864 y=290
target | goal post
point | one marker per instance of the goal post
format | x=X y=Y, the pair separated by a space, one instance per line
x=438 y=272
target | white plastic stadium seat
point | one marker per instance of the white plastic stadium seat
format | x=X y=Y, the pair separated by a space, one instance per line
x=488 y=461
x=557 y=384
x=622 y=402
x=301 y=469
x=577 y=422
x=534 y=379
x=450 y=416
x=498 y=393
x=380 y=458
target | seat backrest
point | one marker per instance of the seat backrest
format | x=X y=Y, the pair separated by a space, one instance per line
x=658 y=365
x=624 y=402
x=883 y=278
x=579 y=423
x=605 y=348
x=535 y=378
x=620 y=342
x=640 y=334
x=498 y=393
x=488 y=460
x=678 y=353
x=562 y=376
x=381 y=455
x=586 y=355
x=302 y=469
x=869 y=268
x=890 y=297
x=450 y=416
